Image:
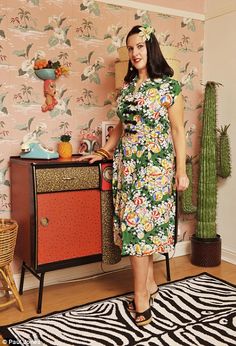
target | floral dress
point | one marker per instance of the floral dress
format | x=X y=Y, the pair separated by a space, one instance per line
x=144 y=169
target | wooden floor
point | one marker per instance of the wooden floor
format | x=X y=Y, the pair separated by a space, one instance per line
x=64 y=296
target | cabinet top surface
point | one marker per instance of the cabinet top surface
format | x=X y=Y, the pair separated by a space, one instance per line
x=64 y=162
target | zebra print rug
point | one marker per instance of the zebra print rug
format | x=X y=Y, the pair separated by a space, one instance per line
x=199 y=310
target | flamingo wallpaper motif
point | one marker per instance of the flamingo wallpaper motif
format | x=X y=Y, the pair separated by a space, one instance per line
x=83 y=35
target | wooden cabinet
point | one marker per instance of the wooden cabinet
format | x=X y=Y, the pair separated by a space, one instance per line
x=62 y=208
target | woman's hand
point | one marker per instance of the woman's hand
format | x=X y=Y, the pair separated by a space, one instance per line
x=90 y=158
x=181 y=181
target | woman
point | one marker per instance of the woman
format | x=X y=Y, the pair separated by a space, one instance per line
x=150 y=130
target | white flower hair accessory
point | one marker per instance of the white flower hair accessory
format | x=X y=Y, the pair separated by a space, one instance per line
x=146 y=31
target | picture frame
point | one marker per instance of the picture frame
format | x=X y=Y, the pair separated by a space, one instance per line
x=107 y=126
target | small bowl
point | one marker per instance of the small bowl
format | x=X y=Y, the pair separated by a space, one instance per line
x=45 y=73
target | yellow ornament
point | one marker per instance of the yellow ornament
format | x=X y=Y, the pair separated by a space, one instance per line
x=65 y=147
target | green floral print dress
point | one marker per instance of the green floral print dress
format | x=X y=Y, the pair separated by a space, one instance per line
x=144 y=169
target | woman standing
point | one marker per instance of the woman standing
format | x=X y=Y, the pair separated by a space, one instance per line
x=148 y=163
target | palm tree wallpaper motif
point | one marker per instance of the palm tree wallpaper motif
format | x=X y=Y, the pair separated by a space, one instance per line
x=26 y=92
x=25 y=18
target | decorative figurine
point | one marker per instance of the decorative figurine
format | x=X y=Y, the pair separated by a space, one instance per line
x=64 y=147
x=48 y=71
x=88 y=145
x=49 y=93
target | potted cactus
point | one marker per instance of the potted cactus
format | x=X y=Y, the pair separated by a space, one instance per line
x=206 y=243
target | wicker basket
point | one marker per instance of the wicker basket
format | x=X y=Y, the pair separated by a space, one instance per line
x=8 y=234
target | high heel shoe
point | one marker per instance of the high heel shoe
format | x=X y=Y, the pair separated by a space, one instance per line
x=143 y=318
x=131 y=303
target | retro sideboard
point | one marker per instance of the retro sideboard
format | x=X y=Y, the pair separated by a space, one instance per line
x=64 y=212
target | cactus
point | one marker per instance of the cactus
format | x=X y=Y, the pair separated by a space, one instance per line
x=207 y=185
x=224 y=162
x=187 y=204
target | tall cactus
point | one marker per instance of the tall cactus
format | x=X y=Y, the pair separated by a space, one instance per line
x=214 y=161
x=207 y=185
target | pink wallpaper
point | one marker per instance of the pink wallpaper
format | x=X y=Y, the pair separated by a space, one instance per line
x=83 y=35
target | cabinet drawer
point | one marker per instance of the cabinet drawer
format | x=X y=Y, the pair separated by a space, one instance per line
x=67 y=179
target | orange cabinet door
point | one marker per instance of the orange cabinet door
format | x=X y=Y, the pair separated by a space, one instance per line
x=69 y=225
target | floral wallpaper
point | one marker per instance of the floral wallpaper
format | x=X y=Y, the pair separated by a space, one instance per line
x=84 y=36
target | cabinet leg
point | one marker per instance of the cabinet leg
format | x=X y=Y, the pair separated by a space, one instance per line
x=22 y=278
x=167 y=266
x=40 y=297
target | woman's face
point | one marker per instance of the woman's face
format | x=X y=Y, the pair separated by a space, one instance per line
x=137 y=52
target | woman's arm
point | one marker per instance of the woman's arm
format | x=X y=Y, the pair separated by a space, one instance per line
x=110 y=145
x=176 y=117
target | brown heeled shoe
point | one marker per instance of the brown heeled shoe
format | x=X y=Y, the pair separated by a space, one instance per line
x=143 y=318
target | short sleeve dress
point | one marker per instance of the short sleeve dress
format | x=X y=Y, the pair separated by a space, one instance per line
x=144 y=169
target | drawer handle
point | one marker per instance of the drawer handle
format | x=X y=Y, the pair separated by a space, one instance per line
x=44 y=221
x=68 y=178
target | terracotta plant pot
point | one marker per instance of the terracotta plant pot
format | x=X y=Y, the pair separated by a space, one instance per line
x=206 y=252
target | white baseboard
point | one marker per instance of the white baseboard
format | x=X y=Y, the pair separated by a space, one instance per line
x=89 y=271
x=182 y=248
x=228 y=255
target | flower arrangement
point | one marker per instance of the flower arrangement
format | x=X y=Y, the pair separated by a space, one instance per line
x=56 y=66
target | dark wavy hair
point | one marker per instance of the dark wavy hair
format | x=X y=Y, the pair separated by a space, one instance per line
x=157 y=65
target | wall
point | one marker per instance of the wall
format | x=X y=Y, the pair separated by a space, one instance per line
x=84 y=36
x=219 y=65
x=185 y=5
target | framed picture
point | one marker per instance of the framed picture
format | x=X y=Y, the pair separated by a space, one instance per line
x=107 y=127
